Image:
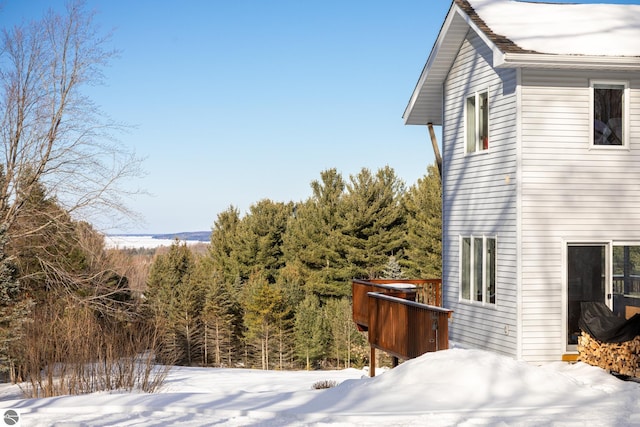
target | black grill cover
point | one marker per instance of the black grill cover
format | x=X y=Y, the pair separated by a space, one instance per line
x=599 y=321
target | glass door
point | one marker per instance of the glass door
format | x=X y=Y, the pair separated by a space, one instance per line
x=586 y=282
x=626 y=279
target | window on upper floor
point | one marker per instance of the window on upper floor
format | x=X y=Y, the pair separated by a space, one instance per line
x=477 y=122
x=478 y=269
x=609 y=112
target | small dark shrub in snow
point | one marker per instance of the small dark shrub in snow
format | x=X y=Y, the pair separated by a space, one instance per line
x=319 y=385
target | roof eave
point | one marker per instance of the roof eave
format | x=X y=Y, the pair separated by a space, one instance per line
x=425 y=104
x=540 y=60
x=410 y=115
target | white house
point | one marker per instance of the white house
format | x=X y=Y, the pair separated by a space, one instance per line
x=540 y=111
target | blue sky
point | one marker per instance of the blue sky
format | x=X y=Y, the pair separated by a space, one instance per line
x=239 y=100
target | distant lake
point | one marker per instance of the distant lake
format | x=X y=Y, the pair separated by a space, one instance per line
x=136 y=242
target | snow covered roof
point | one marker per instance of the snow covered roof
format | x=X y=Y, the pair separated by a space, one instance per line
x=563 y=29
x=523 y=34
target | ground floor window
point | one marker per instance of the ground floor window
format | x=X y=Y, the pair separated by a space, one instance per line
x=478 y=269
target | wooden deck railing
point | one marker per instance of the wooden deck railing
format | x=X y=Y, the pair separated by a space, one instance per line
x=407 y=329
x=360 y=305
x=428 y=291
x=396 y=322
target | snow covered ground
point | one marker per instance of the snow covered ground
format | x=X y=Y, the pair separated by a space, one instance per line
x=453 y=387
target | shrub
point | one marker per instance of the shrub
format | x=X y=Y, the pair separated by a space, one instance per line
x=320 y=385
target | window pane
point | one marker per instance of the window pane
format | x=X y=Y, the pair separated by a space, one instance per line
x=608 y=114
x=477 y=268
x=465 y=282
x=490 y=266
x=484 y=121
x=626 y=280
x=471 y=124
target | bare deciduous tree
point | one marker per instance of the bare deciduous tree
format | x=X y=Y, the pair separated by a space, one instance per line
x=51 y=133
x=61 y=169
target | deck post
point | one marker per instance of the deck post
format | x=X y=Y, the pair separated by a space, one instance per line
x=372 y=362
x=436 y=150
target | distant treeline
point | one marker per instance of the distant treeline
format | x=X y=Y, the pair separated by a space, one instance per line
x=273 y=290
x=201 y=236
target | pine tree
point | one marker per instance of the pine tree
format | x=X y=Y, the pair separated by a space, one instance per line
x=224 y=243
x=423 y=203
x=259 y=239
x=264 y=307
x=220 y=316
x=14 y=311
x=310 y=331
x=346 y=341
x=314 y=243
x=393 y=269
x=171 y=299
x=374 y=225
x=186 y=317
x=55 y=254
x=43 y=243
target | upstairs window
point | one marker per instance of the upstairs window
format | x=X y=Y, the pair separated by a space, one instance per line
x=609 y=111
x=477 y=122
x=478 y=269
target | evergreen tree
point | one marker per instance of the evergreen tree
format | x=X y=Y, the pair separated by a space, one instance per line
x=259 y=239
x=57 y=255
x=314 y=243
x=43 y=244
x=291 y=281
x=285 y=345
x=186 y=316
x=423 y=203
x=171 y=301
x=264 y=307
x=223 y=244
x=393 y=269
x=346 y=341
x=310 y=331
x=374 y=221
x=220 y=317
x=14 y=311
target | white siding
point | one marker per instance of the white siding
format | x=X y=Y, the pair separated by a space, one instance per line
x=569 y=193
x=479 y=197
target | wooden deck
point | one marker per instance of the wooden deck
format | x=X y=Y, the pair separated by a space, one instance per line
x=396 y=322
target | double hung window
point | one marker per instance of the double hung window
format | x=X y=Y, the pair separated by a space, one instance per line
x=478 y=269
x=477 y=122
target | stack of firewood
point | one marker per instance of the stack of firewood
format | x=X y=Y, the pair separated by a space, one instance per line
x=622 y=358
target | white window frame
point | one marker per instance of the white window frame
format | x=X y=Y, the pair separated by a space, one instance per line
x=478 y=145
x=472 y=270
x=625 y=113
